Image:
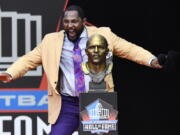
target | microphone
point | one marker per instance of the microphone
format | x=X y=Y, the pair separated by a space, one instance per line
x=171 y=61
x=162 y=58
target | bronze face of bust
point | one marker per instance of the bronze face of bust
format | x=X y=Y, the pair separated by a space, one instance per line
x=97 y=66
x=97 y=50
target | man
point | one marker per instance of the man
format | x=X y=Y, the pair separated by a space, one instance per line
x=61 y=54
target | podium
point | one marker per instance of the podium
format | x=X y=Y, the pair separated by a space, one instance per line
x=98 y=113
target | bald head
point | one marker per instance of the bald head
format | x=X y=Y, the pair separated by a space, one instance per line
x=97 y=49
x=97 y=39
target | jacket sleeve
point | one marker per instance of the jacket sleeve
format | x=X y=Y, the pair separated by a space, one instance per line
x=27 y=62
x=128 y=50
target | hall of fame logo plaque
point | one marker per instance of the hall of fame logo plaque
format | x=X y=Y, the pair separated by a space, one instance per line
x=99 y=117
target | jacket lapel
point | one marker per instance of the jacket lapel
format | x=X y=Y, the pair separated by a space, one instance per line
x=58 y=47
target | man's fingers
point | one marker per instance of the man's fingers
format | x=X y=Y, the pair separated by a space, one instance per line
x=155 y=64
x=5 y=77
x=159 y=66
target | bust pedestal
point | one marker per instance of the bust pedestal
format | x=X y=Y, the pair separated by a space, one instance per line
x=98 y=111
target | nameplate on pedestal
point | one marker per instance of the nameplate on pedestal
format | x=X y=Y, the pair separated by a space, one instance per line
x=97 y=87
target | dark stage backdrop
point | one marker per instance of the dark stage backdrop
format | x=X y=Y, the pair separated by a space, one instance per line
x=148 y=99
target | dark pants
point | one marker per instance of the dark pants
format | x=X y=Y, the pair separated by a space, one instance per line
x=68 y=120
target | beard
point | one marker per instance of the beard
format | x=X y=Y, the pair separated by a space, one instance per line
x=74 y=36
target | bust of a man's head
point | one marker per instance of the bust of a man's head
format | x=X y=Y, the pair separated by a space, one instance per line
x=96 y=50
x=97 y=66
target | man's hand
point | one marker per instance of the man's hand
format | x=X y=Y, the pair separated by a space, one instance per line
x=155 y=64
x=5 y=77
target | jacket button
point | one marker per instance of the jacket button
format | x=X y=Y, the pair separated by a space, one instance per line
x=55 y=82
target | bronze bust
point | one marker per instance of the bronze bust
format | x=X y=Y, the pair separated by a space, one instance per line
x=99 y=63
